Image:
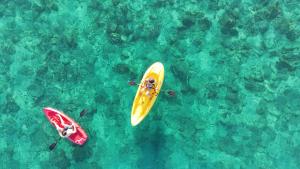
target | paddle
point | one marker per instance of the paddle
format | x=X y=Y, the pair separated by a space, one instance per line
x=82 y=113
x=53 y=145
x=170 y=92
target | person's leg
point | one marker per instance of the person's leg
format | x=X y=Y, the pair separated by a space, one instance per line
x=59 y=129
x=73 y=128
x=61 y=120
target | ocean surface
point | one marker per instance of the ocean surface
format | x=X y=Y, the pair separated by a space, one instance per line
x=234 y=65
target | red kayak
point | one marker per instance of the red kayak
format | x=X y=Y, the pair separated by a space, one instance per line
x=79 y=137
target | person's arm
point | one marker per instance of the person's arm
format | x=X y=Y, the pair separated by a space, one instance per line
x=60 y=134
x=57 y=127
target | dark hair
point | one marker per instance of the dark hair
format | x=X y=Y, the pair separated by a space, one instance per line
x=151 y=80
x=64 y=133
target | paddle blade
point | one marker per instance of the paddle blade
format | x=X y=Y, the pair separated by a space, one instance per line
x=132 y=83
x=52 y=146
x=171 y=93
x=83 y=112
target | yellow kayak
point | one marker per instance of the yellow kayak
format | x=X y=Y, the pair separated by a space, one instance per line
x=145 y=97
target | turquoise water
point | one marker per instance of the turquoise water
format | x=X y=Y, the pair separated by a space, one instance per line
x=234 y=65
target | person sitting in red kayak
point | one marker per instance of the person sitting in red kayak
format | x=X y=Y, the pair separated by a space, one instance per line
x=67 y=130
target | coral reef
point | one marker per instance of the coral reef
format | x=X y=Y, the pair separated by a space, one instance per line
x=234 y=66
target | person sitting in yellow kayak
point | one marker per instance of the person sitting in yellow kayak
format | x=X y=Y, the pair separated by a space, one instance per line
x=169 y=92
x=149 y=84
x=68 y=129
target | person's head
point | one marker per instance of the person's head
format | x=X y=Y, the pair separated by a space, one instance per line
x=151 y=80
x=64 y=133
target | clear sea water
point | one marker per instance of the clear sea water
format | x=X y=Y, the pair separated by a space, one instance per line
x=234 y=65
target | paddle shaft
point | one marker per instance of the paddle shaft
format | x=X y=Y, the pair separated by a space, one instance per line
x=172 y=93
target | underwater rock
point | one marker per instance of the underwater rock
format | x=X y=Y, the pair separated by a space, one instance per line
x=45 y=6
x=2 y=10
x=214 y=5
x=195 y=18
x=187 y=89
x=205 y=24
x=163 y=3
x=53 y=56
x=119 y=30
x=8 y=48
x=42 y=71
x=227 y=29
x=26 y=70
x=232 y=96
x=254 y=86
x=151 y=33
x=5 y=67
x=115 y=38
x=69 y=41
x=125 y=55
x=186 y=23
x=121 y=68
x=82 y=153
x=292 y=35
x=116 y=2
x=3 y=86
x=284 y=67
x=151 y=145
x=262 y=107
x=273 y=11
x=10 y=127
x=111 y=27
x=267 y=72
x=11 y=106
x=94 y=165
x=102 y=98
x=60 y=159
x=295 y=153
x=228 y=145
x=40 y=137
x=95 y=5
x=285 y=27
x=262 y=27
x=212 y=94
x=290 y=55
x=180 y=72
x=267 y=135
x=228 y=22
x=282 y=25
x=35 y=90
x=254 y=81
x=7 y=155
x=91 y=112
x=6 y=60
x=288 y=101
